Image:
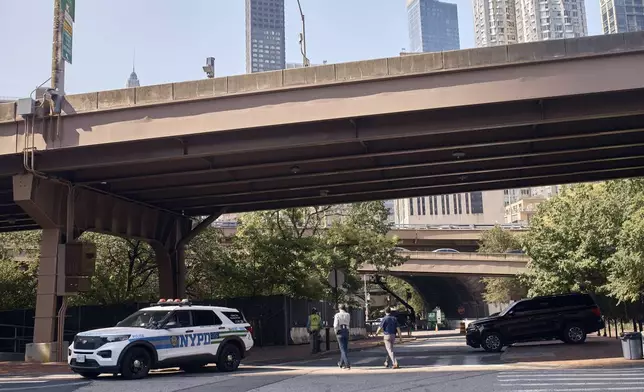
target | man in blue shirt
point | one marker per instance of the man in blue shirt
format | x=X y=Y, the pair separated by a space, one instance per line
x=389 y=326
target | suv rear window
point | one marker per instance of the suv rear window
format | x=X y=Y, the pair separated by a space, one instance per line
x=573 y=300
x=235 y=317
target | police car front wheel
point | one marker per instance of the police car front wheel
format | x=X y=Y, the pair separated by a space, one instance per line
x=136 y=363
x=229 y=359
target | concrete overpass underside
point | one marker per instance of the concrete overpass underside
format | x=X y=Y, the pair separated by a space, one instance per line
x=489 y=118
x=451 y=292
x=145 y=160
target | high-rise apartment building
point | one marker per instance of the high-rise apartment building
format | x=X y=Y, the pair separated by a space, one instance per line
x=622 y=16
x=433 y=26
x=495 y=22
x=265 y=49
x=539 y=20
x=502 y=22
x=458 y=209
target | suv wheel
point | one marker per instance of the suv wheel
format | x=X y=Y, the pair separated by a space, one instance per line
x=229 y=359
x=136 y=363
x=492 y=342
x=574 y=334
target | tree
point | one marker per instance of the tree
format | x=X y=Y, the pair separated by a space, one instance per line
x=571 y=239
x=501 y=290
x=126 y=271
x=361 y=238
x=19 y=253
x=626 y=275
x=497 y=240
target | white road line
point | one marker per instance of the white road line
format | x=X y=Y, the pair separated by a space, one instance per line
x=471 y=360
x=563 y=379
x=442 y=361
x=572 y=375
x=44 y=386
x=580 y=390
x=364 y=361
x=21 y=382
x=568 y=384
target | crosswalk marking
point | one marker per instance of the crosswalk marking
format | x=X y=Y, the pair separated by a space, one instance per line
x=572 y=380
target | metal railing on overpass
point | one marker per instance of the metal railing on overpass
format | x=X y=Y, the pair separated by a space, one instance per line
x=232 y=224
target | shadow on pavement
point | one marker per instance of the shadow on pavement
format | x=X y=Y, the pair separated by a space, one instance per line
x=593 y=348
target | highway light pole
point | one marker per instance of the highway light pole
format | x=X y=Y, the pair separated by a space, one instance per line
x=305 y=60
x=57 y=62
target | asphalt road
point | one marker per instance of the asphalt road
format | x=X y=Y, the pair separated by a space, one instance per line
x=436 y=365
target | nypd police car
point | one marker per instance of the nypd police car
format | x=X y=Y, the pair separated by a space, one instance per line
x=168 y=334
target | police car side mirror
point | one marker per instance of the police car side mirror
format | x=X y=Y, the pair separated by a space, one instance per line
x=171 y=324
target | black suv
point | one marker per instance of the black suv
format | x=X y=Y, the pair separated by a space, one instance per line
x=568 y=317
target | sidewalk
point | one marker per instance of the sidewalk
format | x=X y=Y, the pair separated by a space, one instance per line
x=257 y=356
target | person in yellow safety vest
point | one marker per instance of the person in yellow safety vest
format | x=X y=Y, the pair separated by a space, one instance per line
x=313 y=325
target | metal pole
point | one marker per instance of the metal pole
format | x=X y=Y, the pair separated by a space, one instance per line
x=57 y=62
x=335 y=272
x=366 y=300
x=305 y=60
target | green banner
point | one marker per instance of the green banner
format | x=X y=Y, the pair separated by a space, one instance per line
x=69 y=8
x=68 y=33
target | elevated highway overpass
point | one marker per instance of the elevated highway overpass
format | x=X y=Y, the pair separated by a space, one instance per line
x=464 y=263
x=453 y=280
x=423 y=237
x=142 y=162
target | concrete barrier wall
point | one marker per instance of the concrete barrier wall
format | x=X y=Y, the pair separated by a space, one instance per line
x=347 y=72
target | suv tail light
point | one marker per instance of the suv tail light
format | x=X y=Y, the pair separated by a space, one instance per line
x=249 y=329
x=596 y=311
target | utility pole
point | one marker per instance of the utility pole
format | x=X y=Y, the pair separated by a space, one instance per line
x=305 y=60
x=57 y=62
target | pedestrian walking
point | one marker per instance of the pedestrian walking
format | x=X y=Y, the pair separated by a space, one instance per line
x=313 y=325
x=389 y=327
x=341 y=322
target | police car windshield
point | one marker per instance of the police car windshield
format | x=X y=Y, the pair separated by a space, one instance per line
x=143 y=319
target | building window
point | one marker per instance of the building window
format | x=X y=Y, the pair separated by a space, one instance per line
x=431 y=205
x=460 y=205
x=435 y=205
x=411 y=206
x=467 y=203
x=443 y=204
x=423 y=202
x=455 y=204
x=477 y=202
x=418 y=205
x=446 y=203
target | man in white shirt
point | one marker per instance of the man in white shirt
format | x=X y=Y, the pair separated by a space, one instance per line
x=341 y=322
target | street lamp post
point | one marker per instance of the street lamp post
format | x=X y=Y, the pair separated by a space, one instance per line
x=305 y=60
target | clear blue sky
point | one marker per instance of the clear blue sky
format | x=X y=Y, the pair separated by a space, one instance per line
x=172 y=38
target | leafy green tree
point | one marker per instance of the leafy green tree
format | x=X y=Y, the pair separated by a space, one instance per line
x=626 y=275
x=501 y=290
x=18 y=269
x=126 y=271
x=497 y=240
x=571 y=240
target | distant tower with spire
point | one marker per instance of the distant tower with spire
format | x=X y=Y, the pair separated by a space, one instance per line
x=133 y=81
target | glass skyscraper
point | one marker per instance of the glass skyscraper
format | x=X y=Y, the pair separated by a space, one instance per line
x=433 y=26
x=265 y=35
x=622 y=16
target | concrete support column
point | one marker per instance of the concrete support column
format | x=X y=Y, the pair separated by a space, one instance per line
x=172 y=271
x=46 y=299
